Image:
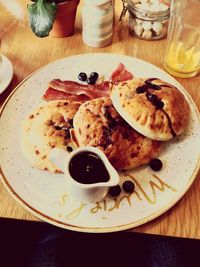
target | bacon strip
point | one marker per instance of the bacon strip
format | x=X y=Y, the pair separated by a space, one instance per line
x=71 y=90
x=52 y=94
x=121 y=74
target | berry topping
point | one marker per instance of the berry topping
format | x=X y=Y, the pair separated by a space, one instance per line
x=91 y=80
x=155 y=101
x=159 y=104
x=156 y=164
x=70 y=121
x=128 y=186
x=57 y=127
x=69 y=149
x=82 y=76
x=152 y=98
x=94 y=75
x=114 y=191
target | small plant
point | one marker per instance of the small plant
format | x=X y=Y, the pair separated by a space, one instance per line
x=42 y=14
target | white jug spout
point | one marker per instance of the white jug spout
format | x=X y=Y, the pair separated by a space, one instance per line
x=59 y=158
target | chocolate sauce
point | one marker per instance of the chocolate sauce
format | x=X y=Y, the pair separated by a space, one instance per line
x=165 y=85
x=147 y=85
x=70 y=121
x=142 y=89
x=159 y=104
x=88 y=168
x=152 y=85
x=151 y=80
x=57 y=127
x=170 y=124
x=156 y=86
x=154 y=99
x=150 y=96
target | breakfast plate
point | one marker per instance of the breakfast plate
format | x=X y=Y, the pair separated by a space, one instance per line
x=45 y=194
x=6 y=73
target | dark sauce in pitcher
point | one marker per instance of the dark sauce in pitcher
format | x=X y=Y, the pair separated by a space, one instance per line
x=88 y=168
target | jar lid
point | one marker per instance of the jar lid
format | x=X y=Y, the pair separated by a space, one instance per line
x=97 y=2
x=150 y=9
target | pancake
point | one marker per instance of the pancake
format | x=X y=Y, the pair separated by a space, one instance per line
x=46 y=127
x=98 y=124
x=152 y=107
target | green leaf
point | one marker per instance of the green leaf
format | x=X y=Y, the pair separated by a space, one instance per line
x=42 y=14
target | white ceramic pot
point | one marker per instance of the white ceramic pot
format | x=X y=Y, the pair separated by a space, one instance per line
x=81 y=191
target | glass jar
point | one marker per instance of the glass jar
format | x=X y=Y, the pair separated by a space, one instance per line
x=148 y=19
x=0 y=56
x=182 y=55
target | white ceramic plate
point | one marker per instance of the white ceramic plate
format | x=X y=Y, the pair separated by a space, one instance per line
x=44 y=194
x=6 y=73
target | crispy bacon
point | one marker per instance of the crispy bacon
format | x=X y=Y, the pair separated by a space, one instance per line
x=52 y=94
x=121 y=74
x=71 y=87
x=70 y=90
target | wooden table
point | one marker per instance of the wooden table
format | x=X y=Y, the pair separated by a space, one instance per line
x=28 y=53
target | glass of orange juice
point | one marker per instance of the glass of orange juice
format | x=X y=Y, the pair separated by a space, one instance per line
x=183 y=46
x=0 y=55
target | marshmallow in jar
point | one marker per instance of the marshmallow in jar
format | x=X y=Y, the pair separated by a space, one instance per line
x=97 y=22
x=148 y=19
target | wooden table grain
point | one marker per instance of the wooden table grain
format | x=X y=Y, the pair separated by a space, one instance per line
x=28 y=53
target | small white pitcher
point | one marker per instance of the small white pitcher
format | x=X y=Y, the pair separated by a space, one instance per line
x=84 y=192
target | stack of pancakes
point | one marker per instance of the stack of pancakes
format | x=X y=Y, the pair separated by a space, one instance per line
x=129 y=126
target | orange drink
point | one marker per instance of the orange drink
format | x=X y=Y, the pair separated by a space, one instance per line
x=183 y=50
